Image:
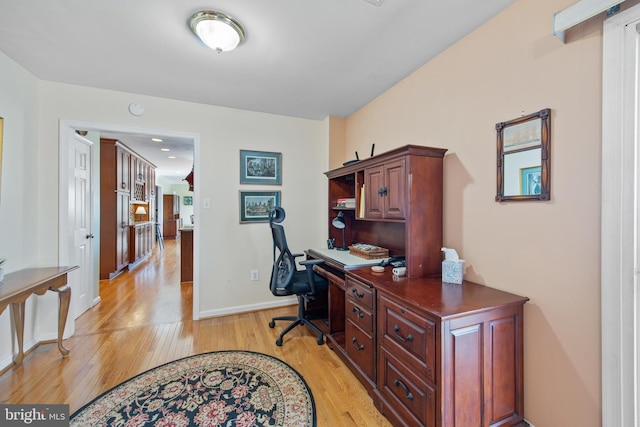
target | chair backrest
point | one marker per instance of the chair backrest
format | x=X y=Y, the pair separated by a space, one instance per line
x=284 y=265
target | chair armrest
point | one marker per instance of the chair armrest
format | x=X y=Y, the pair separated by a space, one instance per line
x=311 y=262
x=308 y=264
x=297 y=255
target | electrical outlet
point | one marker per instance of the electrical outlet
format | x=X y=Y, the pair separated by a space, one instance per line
x=255 y=275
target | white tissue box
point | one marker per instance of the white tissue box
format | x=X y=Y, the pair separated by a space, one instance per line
x=452 y=271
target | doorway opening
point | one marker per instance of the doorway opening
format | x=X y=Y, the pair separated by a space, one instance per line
x=68 y=128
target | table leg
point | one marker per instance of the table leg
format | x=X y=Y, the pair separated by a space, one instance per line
x=64 y=296
x=17 y=311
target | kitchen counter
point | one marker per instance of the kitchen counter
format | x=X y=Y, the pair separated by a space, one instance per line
x=186 y=254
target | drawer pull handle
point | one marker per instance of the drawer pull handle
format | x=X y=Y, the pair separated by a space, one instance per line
x=355 y=292
x=355 y=345
x=400 y=337
x=357 y=310
x=399 y=383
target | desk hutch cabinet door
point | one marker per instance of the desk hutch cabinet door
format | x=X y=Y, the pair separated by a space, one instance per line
x=385 y=191
x=395 y=197
x=374 y=192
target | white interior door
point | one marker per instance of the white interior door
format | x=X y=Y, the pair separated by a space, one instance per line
x=80 y=222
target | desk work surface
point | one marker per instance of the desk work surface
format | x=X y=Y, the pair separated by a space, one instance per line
x=343 y=258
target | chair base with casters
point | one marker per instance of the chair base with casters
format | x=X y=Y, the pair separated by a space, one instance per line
x=287 y=280
x=300 y=319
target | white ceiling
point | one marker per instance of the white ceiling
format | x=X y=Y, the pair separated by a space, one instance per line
x=301 y=58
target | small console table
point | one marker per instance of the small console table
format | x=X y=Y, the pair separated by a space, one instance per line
x=18 y=286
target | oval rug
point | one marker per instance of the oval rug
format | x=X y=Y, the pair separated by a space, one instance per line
x=222 y=388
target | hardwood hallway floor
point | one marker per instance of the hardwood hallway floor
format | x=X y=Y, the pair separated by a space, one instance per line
x=144 y=320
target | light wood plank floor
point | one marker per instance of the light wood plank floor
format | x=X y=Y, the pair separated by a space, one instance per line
x=144 y=320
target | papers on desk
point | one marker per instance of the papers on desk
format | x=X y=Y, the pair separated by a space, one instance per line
x=346 y=259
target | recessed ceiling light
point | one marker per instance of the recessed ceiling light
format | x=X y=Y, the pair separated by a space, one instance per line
x=171 y=157
x=164 y=149
x=156 y=139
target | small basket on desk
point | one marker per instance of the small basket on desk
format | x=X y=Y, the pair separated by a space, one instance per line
x=368 y=251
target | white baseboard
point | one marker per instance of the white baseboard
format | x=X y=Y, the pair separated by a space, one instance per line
x=6 y=362
x=281 y=302
x=28 y=346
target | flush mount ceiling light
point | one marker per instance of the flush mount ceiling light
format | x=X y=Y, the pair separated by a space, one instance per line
x=220 y=32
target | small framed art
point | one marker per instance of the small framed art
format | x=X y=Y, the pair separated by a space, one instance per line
x=255 y=205
x=260 y=167
x=188 y=200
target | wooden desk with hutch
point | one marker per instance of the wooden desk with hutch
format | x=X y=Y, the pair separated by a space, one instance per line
x=429 y=353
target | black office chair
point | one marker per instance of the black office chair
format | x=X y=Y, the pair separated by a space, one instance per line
x=286 y=279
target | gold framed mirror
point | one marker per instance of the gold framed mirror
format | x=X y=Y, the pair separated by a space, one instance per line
x=523 y=158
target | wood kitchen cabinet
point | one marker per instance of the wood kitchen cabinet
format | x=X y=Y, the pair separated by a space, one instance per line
x=171 y=216
x=141 y=241
x=119 y=187
x=123 y=165
x=186 y=255
x=142 y=180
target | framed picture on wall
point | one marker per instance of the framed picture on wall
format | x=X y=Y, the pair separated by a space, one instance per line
x=255 y=205
x=188 y=200
x=260 y=167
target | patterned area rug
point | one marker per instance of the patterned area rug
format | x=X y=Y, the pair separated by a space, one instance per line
x=224 y=388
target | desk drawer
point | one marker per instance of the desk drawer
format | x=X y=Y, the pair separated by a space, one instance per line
x=409 y=334
x=413 y=398
x=359 y=315
x=359 y=292
x=360 y=347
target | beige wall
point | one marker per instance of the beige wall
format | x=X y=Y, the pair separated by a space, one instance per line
x=547 y=251
x=337 y=142
x=19 y=93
